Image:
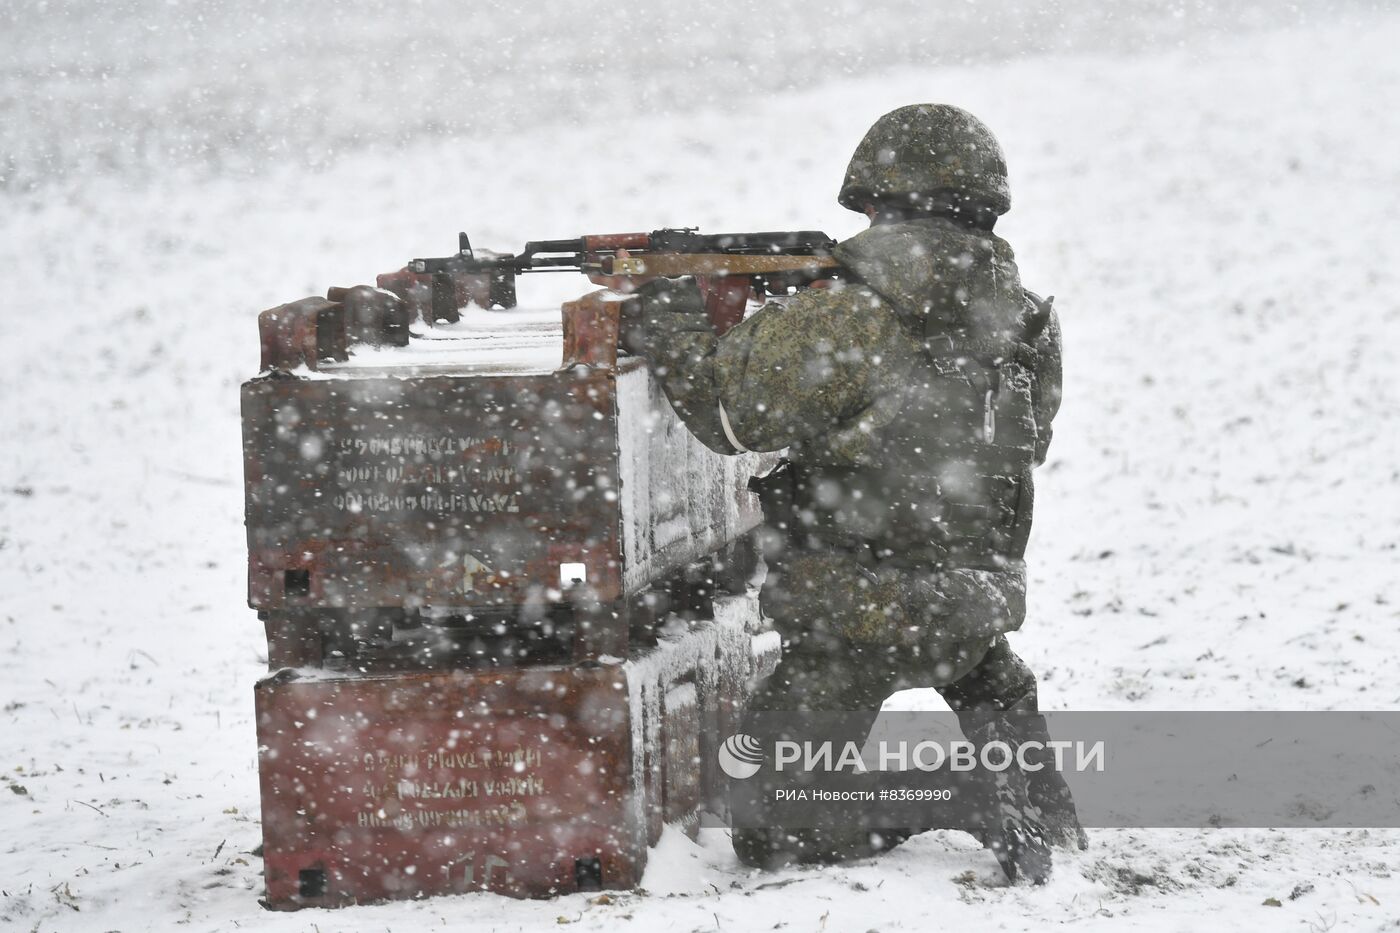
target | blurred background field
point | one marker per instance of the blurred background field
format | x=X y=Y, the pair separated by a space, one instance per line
x=137 y=88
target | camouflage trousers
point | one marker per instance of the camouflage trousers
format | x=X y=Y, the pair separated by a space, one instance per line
x=901 y=626
x=848 y=646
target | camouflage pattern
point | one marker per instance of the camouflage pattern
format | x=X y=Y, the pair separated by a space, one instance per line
x=937 y=622
x=924 y=151
x=911 y=508
x=826 y=371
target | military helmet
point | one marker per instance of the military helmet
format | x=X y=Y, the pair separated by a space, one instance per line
x=924 y=150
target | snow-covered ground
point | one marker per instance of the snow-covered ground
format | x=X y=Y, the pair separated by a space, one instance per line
x=1218 y=524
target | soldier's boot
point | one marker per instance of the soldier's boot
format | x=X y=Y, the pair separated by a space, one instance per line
x=1046 y=787
x=1013 y=831
x=1058 y=815
x=1021 y=851
x=1012 y=826
x=1003 y=682
x=1050 y=794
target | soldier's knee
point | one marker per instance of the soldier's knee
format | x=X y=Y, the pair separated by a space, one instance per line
x=1001 y=680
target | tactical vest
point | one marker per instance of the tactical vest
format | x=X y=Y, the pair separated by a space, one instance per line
x=949 y=478
x=984 y=448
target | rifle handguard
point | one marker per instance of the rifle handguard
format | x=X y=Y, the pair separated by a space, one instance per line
x=671 y=265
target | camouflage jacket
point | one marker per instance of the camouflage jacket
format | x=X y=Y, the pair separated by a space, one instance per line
x=907 y=400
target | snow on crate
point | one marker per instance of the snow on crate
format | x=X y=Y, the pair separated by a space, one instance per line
x=517 y=341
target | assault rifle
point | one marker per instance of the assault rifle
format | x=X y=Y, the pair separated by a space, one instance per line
x=729 y=266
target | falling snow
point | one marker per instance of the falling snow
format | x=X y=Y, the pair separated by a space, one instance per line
x=1210 y=195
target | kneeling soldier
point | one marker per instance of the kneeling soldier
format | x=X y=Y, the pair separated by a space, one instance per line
x=914 y=396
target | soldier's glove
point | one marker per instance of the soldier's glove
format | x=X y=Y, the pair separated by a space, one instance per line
x=1038 y=311
x=660 y=312
x=1038 y=314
